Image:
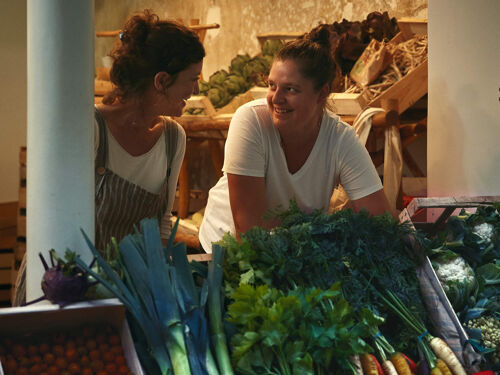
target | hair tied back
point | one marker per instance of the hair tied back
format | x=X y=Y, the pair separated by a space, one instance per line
x=321 y=35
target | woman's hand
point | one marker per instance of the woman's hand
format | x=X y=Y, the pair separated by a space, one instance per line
x=375 y=203
x=247 y=196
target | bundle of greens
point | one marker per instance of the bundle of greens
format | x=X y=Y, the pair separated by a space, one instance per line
x=365 y=253
x=301 y=331
x=168 y=310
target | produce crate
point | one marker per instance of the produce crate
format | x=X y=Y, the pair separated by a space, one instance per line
x=407 y=91
x=447 y=206
x=412 y=26
x=441 y=312
x=46 y=318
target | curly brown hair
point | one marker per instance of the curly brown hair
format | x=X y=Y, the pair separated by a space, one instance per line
x=148 y=46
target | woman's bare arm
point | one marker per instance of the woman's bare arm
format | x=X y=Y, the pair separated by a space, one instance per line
x=375 y=203
x=247 y=196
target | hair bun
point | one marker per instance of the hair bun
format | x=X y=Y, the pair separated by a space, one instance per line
x=320 y=35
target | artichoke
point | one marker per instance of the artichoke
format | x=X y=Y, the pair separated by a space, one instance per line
x=235 y=84
x=238 y=62
x=204 y=87
x=218 y=96
x=218 y=77
x=271 y=47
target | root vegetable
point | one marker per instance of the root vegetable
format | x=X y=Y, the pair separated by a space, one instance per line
x=389 y=368
x=400 y=364
x=444 y=352
x=368 y=365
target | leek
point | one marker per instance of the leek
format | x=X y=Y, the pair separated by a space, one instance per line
x=157 y=288
x=215 y=302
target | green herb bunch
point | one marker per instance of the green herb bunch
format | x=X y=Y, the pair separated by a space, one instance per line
x=365 y=253
x=301 y=331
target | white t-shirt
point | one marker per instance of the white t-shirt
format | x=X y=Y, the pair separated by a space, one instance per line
x=253 y=149
x=149 y=169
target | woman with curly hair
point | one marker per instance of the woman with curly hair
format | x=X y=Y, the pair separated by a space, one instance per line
x=139 y=151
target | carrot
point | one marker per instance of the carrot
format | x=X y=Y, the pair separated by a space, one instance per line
x=400 y=364
x=444 y=352
x=377 y=363
x=389 y=368
x=413 y=365
x=368 y=365
x=442 y=367
x=436 y=371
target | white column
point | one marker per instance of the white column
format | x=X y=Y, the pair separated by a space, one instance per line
x=60 y=183
x=463 y=137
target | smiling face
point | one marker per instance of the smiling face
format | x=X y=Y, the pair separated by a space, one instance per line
x=292 y=101
x=185 y=85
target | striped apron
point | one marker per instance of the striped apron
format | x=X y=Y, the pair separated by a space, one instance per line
x=120 y=204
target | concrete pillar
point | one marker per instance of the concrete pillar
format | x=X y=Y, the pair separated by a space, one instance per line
x=463 y=153
x=60 y=183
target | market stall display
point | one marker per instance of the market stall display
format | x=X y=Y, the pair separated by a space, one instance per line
x=465 y=253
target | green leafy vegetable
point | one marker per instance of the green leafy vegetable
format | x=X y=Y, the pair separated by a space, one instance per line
x=302 y=331
x=361 y=251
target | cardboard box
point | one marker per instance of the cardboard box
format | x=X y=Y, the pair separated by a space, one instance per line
x=43 y=317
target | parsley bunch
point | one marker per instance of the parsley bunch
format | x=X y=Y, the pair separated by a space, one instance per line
x=301 y=331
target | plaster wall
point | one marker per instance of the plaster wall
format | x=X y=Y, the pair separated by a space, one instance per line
x=464 y=107
x=13 y=93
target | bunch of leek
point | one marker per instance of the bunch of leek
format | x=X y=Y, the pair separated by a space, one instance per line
x=159 y=292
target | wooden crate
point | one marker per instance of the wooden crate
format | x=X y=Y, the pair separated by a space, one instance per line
x=412 y=26
x=446 y=206
x=348 y=103
x=407 y=91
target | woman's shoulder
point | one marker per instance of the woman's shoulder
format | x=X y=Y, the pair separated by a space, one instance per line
x=255 y=106
x=337 y=126
x=171 y=124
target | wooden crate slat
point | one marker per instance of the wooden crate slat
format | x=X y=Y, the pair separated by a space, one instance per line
x=6 y=258
x=444 y=202
x=5 y=276
x=412 y=26
x=407 y=90
x=5 y=294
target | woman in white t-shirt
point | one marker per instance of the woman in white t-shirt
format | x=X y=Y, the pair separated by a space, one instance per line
x=156 y=66
x=289 y=146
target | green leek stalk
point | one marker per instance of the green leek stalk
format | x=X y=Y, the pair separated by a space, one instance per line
x=162 y=285
x=129 y=297
x=215 y=311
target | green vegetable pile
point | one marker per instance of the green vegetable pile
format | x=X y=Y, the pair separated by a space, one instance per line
x=302 y=331
x=466 y=257
x=244 y=73
x=367 y=254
